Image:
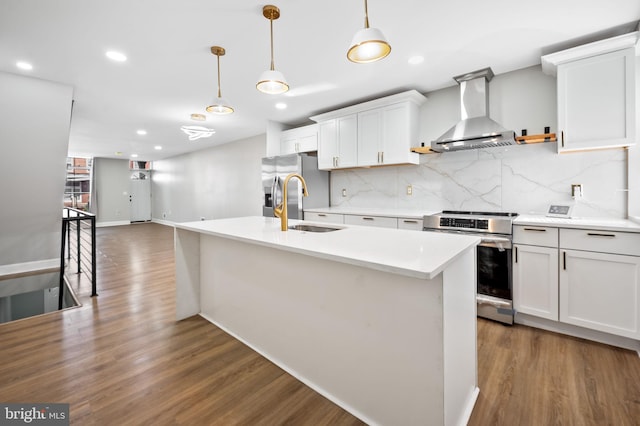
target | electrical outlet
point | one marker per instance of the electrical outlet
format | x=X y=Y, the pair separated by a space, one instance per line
x=409 y=190
x=344 y=192
x=576 y=190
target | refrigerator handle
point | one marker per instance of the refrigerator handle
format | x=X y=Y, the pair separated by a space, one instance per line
x=274 y=193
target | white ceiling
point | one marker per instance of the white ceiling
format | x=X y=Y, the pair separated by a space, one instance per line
x=170 y=72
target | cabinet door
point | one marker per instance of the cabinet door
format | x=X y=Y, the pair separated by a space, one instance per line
x=370 y=138
x=596 y=101
x=376 y=221
x=288 y=143
x=535 y=281
x=411 y=224
x=347 y=141
x=601 y=291
x=399 y=128
x=308 y=142
x=327 y=144
x=324 y=217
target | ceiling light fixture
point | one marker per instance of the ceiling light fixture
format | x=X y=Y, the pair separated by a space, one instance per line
x=281 y=105
x=197 y=132
x=24 y=66
x=116 y=56
x=157 y=147
x=220 y=105
x=198 y=117
x=141 y=132
x=271 y=81
x=369 y=44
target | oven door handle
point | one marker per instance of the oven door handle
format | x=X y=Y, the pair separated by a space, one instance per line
x=499 y=242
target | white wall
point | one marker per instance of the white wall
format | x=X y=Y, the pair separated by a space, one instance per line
x=223 y=181
x=34 y=134
x=520 y=178
x=112 y=178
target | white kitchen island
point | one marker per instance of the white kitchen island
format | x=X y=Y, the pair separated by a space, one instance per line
x=380 y=321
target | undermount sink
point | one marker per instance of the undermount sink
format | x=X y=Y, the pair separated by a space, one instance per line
x=313 y=228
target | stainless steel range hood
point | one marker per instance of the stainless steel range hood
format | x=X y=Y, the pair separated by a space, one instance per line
x=476 y=129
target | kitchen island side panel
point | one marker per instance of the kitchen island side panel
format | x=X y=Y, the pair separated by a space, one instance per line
x=370 y=341
x=187 y=269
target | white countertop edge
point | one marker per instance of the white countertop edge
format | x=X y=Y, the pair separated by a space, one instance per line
x=370 y=264
x=605 y=224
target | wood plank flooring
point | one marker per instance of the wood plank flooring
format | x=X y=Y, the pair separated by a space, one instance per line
x=122 y=359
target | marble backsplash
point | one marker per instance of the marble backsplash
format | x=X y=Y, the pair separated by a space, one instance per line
x=523 y=179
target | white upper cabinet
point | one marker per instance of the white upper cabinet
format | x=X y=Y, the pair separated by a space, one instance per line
x=596 y=93
x=337 y=143
x=300 y=139
x=385 y=130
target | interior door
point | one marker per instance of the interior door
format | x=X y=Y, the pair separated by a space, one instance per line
x=140 y=197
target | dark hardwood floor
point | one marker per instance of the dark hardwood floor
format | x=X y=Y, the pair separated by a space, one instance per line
x=121 y=358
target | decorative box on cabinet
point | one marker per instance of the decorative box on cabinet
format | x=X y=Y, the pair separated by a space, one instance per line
x=600 y=281
x=535 y=271
x=596 y=93
x=385 y=130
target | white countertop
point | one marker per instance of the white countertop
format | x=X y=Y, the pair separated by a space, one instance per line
x=416 y=254
x=605 y=224
x=372 y=211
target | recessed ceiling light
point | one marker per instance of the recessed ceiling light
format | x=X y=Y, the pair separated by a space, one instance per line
x=157 y=147
x=118 y=152
x=24 y=65
x=281 y=105
x=116 y=56
x=198 y=117
x=415 y=60
x=141 y=132
x=134 y=155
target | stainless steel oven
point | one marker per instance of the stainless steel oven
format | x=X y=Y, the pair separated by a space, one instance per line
x=494 y=274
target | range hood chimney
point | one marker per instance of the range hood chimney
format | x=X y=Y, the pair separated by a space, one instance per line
x=476 y=129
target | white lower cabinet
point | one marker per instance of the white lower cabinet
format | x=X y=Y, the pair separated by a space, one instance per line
x=535 y=271
x=535 y=281
x=410 y=224
x=377 y=221
x=600 y=290
x=324 y=217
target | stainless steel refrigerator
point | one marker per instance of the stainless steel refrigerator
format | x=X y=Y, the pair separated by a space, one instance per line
x=276 y=169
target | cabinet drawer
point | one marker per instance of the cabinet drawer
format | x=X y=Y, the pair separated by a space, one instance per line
x=411 y=224
x=324 y=217
x=535 y=235
x=600 y=241
x=379 y=221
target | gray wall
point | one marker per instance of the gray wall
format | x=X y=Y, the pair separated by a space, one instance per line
x=34 y=135
x=112 y=178
x=219 y=182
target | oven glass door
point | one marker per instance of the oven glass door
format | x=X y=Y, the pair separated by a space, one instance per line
x=494 y=271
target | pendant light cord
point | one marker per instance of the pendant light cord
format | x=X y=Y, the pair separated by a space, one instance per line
x=219 y=93
x=366 y=14
x=271 y=27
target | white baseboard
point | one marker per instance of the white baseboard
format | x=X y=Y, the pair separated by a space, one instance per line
x=575 y=331
x=114 y=223
x=34 y=266
x=163 y=222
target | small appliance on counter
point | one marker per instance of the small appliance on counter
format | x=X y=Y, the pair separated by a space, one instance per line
x=276 y=169
x=494 y=271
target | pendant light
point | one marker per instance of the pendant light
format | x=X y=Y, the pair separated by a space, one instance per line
x=220 y=105
x=369 y=44
x=272 y=81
